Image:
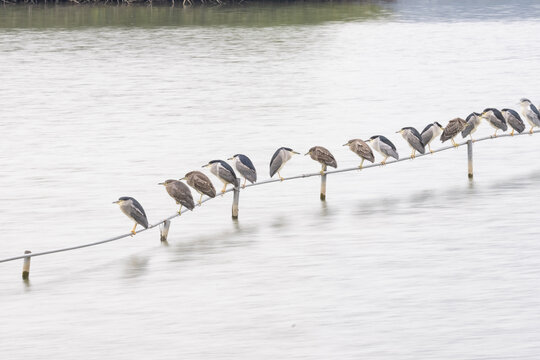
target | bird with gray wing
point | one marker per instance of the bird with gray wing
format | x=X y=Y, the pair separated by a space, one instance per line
x=360 y=148
x=473 y=121
x=133 y=210
x=430 y=133
x=223 y=172
x=180 y=193
x=495 y=119
x=245 y=167
x=531 y=113
x=323 y=156
x=280 y=157
x=384 y=147
x=201 y=183
x=454 y=127
x=414 y=139
x=514 y=120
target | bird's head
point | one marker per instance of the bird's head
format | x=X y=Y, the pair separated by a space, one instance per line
x=524 y=101
x=233 y=157
x=291 y=151
x=121 y=200
x=166 y=182
x=439 y=125
x=310 y=151
x=210 y=163
x=371 y=139
x=348 y=142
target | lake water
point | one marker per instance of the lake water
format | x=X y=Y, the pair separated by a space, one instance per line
x=408 y=261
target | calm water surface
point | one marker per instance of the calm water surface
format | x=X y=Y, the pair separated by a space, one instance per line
x=410 y=261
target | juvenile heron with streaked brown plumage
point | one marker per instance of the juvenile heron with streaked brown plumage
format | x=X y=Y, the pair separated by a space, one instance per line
x=323 y=156
x=362 y=149
x=454 y=127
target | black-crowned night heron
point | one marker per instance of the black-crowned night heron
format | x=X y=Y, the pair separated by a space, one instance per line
x=454 y=127
x=360 y=148
x=223 y=172
x=530 y=112
x=245 y=167
x=180 y=193
x=514 y=120
x=495 y=119
x=384 y=147
x=473 y=121
x=201 y=183
x=430 y=133
x=280 y=157
x=414 y=139
x=133 y=210
x=323 y=156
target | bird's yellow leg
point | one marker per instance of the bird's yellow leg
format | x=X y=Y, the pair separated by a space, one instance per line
x=133 y=230
x=512 y=133
x=384 y=161
x=244 y=186
x=180 y=211
x=455 y=144
x=280 y=178
x=361 y=163
x=495 y=135
x=530 y=132
x=429 y=146
x=323 y=169
x=200 y=200
x=413 y=155
x=224 y=188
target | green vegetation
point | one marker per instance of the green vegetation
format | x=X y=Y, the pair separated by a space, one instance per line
x=260 y=14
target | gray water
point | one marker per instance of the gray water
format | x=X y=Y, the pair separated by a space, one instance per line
x=408 y=261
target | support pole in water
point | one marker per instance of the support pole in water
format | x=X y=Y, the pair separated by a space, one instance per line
x=323 y=185
x=469 y=158
x=26 y=266
x=236 y=200
x=164 y=230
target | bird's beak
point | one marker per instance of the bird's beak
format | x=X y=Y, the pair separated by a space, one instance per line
x=306 y=153
x=116 y=202
x=345 y=144
x=398 y=131
x=205 y=165
x=295 y=152
x=161 y=183
x=184 y=178
x=230 y=158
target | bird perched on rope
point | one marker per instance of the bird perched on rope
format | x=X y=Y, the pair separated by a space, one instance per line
x=531 y=113
x=223 y=172
x=201 y=183
x=430 y=133
x=360 y=148
x=133 y=210
x=323 y=156
x=180 y=193
x=454 y=127
x=495 y=119
x=473 y=121
x=514 y=120
x=280 y=157
x=414 y=139
x=245 y=167
x=384 y=147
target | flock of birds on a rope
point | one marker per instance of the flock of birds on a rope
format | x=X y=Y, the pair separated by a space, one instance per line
x=416 y=140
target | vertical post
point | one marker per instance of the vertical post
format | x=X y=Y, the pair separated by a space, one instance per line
x=26 y=266
x=323 y=185
x=236 y=200
x=469 y=158
x=164 y=230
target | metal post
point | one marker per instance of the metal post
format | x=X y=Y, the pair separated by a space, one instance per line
x=26 y=266
x=164 y=230
x=469 y=157
x=323 y=185
x=236 y=200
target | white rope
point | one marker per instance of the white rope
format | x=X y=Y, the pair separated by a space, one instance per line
x=151 y=226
